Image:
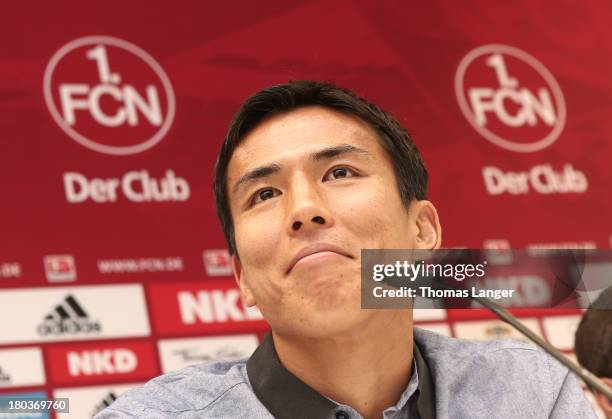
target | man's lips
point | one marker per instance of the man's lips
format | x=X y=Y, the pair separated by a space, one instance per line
x=316 y=248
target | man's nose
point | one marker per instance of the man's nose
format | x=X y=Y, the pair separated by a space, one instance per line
x=307 y=207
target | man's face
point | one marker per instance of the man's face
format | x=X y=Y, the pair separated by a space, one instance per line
x=308 y=190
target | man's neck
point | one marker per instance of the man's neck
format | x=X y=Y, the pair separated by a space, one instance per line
x=367 y=369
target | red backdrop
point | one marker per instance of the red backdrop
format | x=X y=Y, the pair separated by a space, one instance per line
x=112 y=115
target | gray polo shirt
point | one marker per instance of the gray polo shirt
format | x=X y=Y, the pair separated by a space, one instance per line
x=452 y=378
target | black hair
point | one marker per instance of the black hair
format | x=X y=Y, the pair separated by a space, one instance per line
x=594 y=336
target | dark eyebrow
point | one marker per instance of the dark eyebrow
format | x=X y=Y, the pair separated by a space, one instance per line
x=338 y=150
x=324 y=154
x=257 y=173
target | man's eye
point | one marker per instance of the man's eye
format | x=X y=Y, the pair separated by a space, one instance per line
x=264 y=194
x=339 y=173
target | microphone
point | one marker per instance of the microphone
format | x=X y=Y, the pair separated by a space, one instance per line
x=588 y=377
x=567 y=268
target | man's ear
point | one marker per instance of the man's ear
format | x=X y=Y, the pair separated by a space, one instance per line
x=245 y=291
x=428 y=228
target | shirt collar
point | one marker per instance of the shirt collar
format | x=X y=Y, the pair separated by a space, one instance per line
x=286 y=396
x=426 y=401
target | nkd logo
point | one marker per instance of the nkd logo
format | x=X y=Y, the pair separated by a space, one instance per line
x=68 y=317
x=510 y=98
x=109 y=95
x=215 y=306
x=101 y=362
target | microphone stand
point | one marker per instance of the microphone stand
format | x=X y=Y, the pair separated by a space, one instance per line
x=592 y=380
x=589 y=378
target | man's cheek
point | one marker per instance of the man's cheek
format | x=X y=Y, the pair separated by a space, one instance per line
x=371 y=224
x=271 y=291
x=258 y=238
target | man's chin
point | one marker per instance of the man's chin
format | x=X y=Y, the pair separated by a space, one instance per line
x=333 y=312
x=329 y=324
x=330 y=292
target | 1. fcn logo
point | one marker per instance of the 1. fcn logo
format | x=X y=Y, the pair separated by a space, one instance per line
x=109 y=95
x=510 y=98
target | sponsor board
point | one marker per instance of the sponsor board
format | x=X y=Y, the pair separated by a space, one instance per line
x=33 y=396
x=10 y=270
x=498 y=251
x=428 y=314
x=217 y=262
x=72 y=313
x=109 y=95
x=101 y=362
x=494 y=329
x=86 y=402
x=140 y=265
x=496 y=244
x=560 y=330
x=179 y=353
x=60 y=268
x=588 y=244
x=134 y=186
x=191 y=307
x=530 y=290
x=21 y=367
x=542 y=179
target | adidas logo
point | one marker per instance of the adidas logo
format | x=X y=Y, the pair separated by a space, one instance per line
x=68 y=317
x=4 y=378
x=104 y=403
